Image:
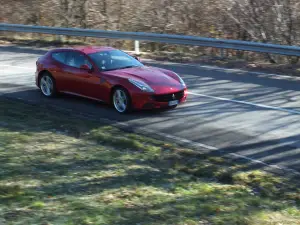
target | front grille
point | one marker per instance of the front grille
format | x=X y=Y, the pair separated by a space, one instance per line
x=168 y=97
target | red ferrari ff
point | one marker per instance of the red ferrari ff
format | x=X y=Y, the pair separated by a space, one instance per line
x=109 y=75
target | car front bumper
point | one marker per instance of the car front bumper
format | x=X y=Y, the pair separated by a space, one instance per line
x=152 y=101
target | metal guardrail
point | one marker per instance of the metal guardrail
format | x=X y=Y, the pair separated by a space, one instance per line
x=153 y=37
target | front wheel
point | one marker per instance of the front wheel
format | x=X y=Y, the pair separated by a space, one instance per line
x=121 y=100
x=173 y=107
x=47 y=85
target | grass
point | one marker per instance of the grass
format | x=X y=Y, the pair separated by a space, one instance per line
x=56 y=169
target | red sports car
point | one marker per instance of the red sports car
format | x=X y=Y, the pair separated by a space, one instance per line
x=109 y=75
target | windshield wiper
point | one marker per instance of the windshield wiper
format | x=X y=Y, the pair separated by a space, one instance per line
x=121 y=68
x=110 y=69
x=129 y=67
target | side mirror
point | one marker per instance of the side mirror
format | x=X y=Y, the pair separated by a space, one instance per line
x=137 y=58
x=85 y=67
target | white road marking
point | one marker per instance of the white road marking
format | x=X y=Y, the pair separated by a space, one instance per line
x=247 y=103
x=200 y=145
x=265 y=164
x=21 y=67
x=19 y=76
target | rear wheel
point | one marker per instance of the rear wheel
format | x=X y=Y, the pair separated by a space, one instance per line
x=47 y=85
x=121 y=100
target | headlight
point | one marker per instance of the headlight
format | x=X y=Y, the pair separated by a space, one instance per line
x=141 y=85
x=181 y=81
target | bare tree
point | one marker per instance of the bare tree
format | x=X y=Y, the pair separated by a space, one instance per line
x=269 y=21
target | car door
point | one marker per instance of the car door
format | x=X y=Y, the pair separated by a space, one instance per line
x=78 y=80
x=57 y=71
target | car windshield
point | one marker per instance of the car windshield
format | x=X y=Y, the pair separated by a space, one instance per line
x=114 y=60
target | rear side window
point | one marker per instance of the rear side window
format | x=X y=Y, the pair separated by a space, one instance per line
x=59 y=56
x=77 y=59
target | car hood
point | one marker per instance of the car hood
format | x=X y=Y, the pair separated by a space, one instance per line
x=158 y=80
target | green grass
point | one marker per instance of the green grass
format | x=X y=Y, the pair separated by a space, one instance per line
x=55 y=169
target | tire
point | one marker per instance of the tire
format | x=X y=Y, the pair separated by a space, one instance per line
x=47 y=85
x=121 y=100
x=173 y=107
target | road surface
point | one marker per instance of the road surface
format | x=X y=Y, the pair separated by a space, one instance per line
x=249 y=114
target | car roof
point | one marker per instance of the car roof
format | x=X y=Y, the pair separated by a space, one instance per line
x=86 y=49
x=93 y=49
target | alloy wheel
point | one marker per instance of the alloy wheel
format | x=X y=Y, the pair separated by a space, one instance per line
x=120 y=100
x=47 y=85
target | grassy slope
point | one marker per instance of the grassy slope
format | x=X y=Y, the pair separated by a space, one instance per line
x=55 y=169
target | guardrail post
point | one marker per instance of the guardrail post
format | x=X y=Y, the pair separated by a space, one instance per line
x=222 y=53
x=137 y=47
x=58 y=38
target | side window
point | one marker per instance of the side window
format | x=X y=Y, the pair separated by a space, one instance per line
x=103 y=59
x=77 y=59
x=59 y=56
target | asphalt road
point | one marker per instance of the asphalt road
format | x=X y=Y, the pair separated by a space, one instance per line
x=250 y=114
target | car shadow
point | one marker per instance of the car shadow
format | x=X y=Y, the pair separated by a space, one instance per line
x=81 y=105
